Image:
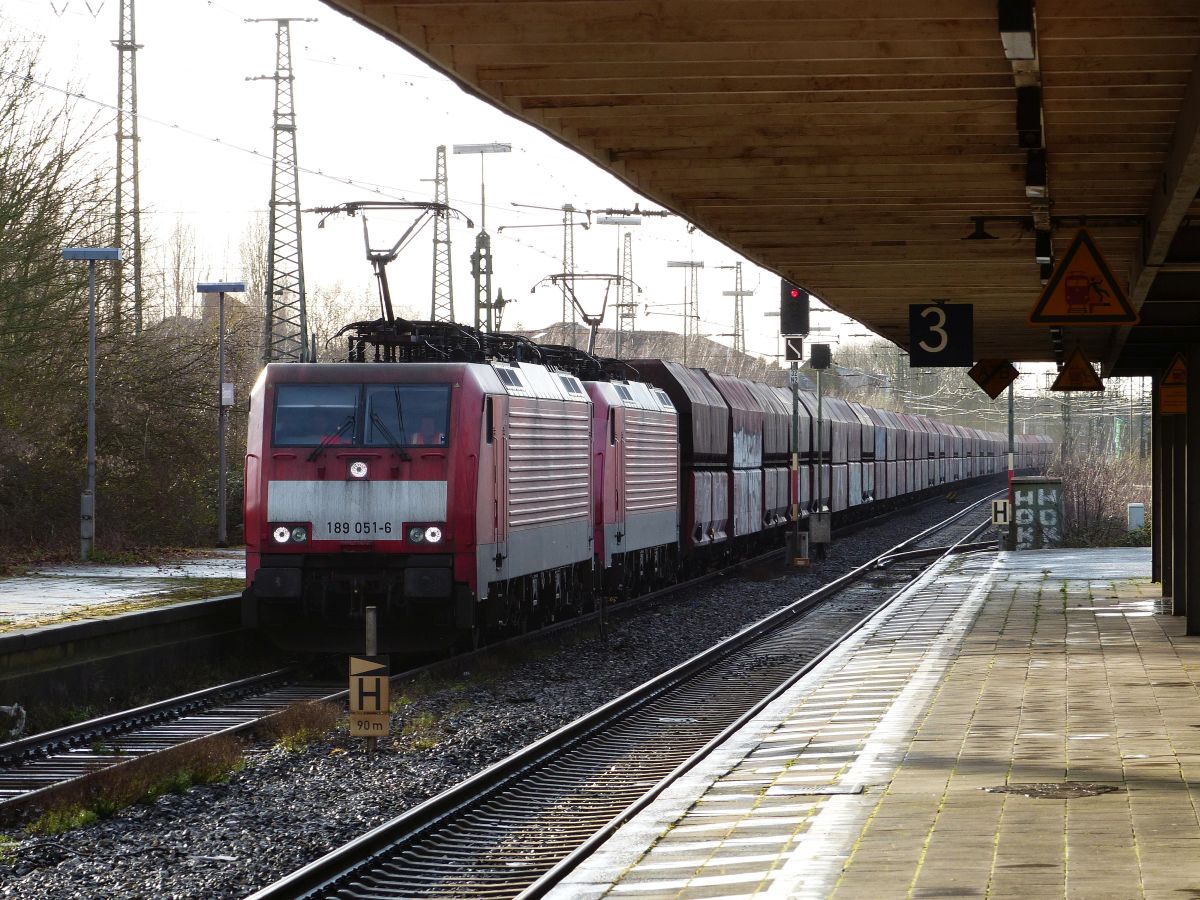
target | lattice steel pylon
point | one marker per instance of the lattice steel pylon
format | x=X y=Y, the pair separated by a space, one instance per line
x=127 y=281
x=442 y=309
x=739 y=309
x=285 y=319
x=627 y=306
x=569 y=267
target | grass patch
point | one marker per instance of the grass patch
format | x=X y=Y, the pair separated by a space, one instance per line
x=421 y=732
x=300 y=725
x=139 y=781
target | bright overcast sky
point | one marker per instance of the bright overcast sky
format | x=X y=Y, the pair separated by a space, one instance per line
x=369 y=113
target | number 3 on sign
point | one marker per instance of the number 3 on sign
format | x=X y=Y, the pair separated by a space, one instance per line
x=941 y=334
x=935 y=312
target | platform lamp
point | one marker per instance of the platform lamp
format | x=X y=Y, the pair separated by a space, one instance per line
x=87 y=503
x=225 y=394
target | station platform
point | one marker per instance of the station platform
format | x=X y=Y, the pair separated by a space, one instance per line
x=1014 y=725
x=49 y=594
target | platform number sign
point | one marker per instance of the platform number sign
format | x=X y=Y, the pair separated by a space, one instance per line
x=370 y=700
x=941 y=334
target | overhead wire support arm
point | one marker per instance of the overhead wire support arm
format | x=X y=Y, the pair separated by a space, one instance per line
x=565 y=281
x=378 y=257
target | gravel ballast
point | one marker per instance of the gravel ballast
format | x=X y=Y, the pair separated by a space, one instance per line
x=287 y=808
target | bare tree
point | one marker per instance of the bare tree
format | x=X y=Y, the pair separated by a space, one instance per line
x=180 y=267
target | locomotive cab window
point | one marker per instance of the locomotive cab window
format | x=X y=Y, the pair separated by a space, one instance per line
x=406 y=415
x=307 y=415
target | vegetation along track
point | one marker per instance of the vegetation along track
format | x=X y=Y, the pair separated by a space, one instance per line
x=34 y=767
x=517 y=827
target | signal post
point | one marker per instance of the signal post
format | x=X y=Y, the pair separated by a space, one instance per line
x=793 y=327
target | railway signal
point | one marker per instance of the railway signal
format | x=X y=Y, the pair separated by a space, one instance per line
x=793 y=309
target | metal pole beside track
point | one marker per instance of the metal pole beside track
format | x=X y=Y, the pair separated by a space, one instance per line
x=224 y=398
x=371 y=643
x=87 y=502
x=222 y=524
x=1012 y=442
x=87 y=506
x=795 y=380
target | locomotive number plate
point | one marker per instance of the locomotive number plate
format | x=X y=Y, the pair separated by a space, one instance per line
x=359 y=529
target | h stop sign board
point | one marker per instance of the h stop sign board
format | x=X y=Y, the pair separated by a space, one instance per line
x=1037 y=512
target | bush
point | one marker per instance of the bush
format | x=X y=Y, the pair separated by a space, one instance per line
x=301 y=724
x=1096 y=489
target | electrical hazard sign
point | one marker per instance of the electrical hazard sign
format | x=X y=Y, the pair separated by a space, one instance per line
x=1077 y=374
x=1083 y=291
x=1172 y=392
x=370 y=696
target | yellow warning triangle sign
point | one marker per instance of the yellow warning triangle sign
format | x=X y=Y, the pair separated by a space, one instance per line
x=1177 y=371
x=1082 y=290
x=362 y=666
x=1077 y=374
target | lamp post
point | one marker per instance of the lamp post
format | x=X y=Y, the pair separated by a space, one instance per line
x=481 y=259
x=224 y=394
x=87 y=502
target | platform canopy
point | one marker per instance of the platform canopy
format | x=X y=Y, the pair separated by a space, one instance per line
x=853 y=145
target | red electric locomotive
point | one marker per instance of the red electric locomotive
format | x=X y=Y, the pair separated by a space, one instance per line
x=459 y=498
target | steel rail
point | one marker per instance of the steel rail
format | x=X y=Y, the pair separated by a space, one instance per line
x=523 y=870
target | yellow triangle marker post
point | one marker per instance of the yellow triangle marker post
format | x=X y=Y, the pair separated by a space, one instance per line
x=1082 y=290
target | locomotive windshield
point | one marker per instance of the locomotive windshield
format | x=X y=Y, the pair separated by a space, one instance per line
x=407 y=415
x=307 y=414
x=392 y=415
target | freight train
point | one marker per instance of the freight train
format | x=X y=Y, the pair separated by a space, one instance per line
x=472 y=485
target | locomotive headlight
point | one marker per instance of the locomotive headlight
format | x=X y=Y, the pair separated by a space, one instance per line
x=282 y=534
x=299 y=535
x=358 y=469
x=416 y=534
x=433 y=534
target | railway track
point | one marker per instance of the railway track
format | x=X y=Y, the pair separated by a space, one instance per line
x=32 y=768
x=514 y=829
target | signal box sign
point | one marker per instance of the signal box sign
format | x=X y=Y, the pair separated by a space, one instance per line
x=941 y=334
x=370 y=700
x=1077 y=374
x=1083 y=291
x=993 y=375
x=1172 y=393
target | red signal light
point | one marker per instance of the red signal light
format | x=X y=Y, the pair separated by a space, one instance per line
x=795 y=293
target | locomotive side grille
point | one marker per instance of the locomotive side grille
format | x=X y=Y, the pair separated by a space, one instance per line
x=651 y=456
x=549 y=474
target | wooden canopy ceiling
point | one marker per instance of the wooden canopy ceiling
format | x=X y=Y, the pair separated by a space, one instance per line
x=847 y=144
